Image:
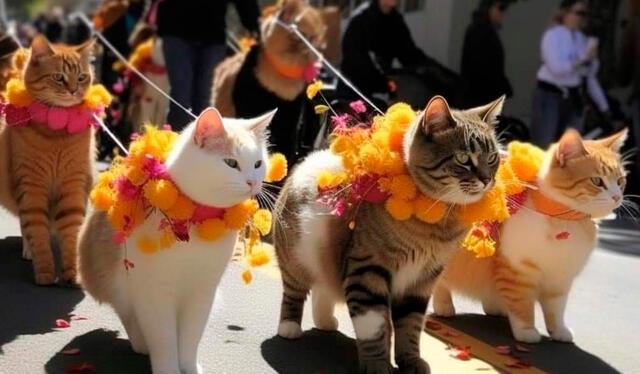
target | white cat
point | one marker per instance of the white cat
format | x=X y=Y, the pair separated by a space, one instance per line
x=165 y=300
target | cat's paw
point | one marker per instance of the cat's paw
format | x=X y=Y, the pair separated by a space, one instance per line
x=444 y=309
x=26 y=253
x=530 y=335
x=196 y=369
x=70 y=277
x=415 y=366
x=562 y=334
x=327 y=324
x=376 y=367
x=45 y=279
x=289 y=330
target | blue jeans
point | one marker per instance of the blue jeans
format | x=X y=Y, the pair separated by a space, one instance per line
x=551 y=115
x=190 y=69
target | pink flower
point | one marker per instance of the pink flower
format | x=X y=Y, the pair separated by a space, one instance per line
x=17 y=116
x=340 y=122
x=79 y=120
x=166 y=127
x=57 y=118
x=118 y=87
x=358 y=106
x=310 y=72
x=153 y=167
x=126 y=189
x=340 y=207
x=38 y=112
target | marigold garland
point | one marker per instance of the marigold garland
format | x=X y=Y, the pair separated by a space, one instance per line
x=17 y=95
x=374 y=171
x=135 y=186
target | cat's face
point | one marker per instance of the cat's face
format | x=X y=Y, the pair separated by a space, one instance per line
x=586 y=175
x=58 y=75
x=221 y=162
x=453 y=155
x=285 y=45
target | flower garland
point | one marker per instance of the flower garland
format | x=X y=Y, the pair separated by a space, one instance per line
x=20 y=108
x=139 y=184
x=374 y=171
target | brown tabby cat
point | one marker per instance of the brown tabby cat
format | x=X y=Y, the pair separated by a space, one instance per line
x=45 y=174
x=384 y=269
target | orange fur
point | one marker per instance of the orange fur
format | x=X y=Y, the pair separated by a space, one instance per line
x=46 y=174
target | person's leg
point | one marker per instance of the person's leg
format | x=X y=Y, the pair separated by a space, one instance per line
x=179 y=56
x=208 y=57
x=544 y=118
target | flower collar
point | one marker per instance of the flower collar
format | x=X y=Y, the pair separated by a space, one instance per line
x=554 y=209
x=21 y=108
x=292 y=71
x=139 y=184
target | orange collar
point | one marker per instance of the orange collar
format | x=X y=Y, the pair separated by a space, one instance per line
x=555 y=209
x=286 y=70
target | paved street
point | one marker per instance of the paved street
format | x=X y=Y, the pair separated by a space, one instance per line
x=603 y=311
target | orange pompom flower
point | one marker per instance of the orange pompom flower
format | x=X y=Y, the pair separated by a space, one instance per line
x=17 y=94
x=211 y=229
x=237 y=216
x=161 y=193
x=429 y=210
x=399 y=209
x=277 y=168
x=147 y=245
x=247 y=277
x=262 y=221
x=259 y=258
x=102 y=198
x=182 y=209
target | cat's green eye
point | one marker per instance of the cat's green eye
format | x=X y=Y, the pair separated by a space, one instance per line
x=462 y=158
x=58 y=77
x=258 y=164
x=83 y=77
x=622 y=181
x=597 y=181
x=492 y=159
x=232 y=163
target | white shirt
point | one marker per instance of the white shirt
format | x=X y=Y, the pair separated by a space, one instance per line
x=562 y=49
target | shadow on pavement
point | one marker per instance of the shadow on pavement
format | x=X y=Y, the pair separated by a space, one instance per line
x=28 y=309
x=620 y=235
x=316 y=352
x=98 y=348
x=550 y=356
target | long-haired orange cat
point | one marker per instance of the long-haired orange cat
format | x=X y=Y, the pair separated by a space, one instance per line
x=46 y=173
x=547 y=242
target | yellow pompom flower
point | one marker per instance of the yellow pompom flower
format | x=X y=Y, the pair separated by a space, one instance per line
x=161 y=193
x=508 y=179
x=97 y=97
x=182 y=209
x=17 y=94
x=147 y=245
x=428 y=210
x=313 y=89
x=126 y=211
x=525 y=160
x=167 y=239
x=211 y=229
x=277 y=169
x=482 y=245
x=326 y=179
x=341 y=144
x=102 y=198
x=370 y=158
x=399 y=209
x=492 y=207
x=141 y=53
x=247 y=277
x=237 y=216
x=259 y=258
x=262 y=221
x=402 y=187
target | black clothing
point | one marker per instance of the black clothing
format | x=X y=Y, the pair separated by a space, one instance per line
x=251 y=99
x=371 y=43
x=203 y=20
x=483 y=64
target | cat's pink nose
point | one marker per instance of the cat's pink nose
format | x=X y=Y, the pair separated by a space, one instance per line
x=251 y=183
x=616 y=198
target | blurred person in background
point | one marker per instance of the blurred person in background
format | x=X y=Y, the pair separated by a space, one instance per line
x=193 y=35
x=483 y=57
x=51 y=23
x=569 y=68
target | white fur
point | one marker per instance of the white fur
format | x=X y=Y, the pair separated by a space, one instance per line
x=165 y=300
x=323 y=302
x=289 y=330
x=406 y=277
x=368 y=325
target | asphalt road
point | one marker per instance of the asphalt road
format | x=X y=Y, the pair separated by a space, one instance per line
x=604 y=312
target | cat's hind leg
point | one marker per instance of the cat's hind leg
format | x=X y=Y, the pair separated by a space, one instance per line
x=553 y=306
x=323 y=302
x=442 y=301
x=492 y=307
x=294 y=295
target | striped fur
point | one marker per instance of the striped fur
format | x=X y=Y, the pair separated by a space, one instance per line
x=47 y=174
x=542 y=267
x=384 y=269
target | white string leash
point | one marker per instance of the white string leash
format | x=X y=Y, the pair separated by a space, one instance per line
x=115 y=51
x=111 y=135
x=293 y=28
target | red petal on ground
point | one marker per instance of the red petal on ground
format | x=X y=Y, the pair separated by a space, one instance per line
x=462 y=354
x=451 y=334
x=503 y=350
x=81 y=368
x=63 y=324
x=79 y=318
x=431 y=325
x=522 y=348
x=70 y=351
x=518 y=363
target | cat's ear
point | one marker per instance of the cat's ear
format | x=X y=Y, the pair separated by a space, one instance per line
x=40 y=47
x=260 y=124
x=289 y=10
x=615 y=141
x=86 y=47
x=437 y=116
x=209 y=127
x=489 y=113
x=570 y=146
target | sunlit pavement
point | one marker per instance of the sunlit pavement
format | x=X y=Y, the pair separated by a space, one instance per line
x=604 y=312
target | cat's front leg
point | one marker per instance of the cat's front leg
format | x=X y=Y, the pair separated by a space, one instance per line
x=157 y=321
x=192 y=321
x=553 y=306
x=408 y=314
x=367 y=292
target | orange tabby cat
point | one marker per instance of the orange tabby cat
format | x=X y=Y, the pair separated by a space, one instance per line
x=547 y=242
x=45 y=174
